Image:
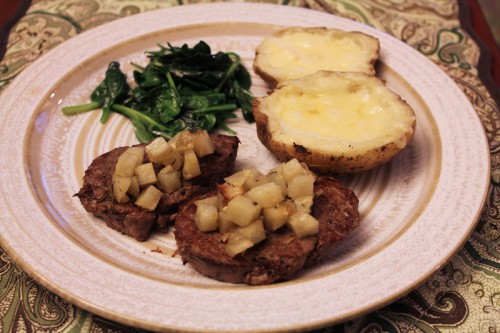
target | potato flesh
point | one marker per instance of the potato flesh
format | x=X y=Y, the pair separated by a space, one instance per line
x=250 y=204
x=336 y=113
x=294 y=52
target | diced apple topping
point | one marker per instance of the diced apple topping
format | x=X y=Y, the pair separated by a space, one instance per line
x=121 y=186
x=145 y=174
x=266 y=195
x=158 y=150
x=207 y=215
x=303 y=224
x=191 y=166
x=128 y=161
x=237 y=244
x=149 y=198
x=134 y=175
x=250 y=204
x=242 y=210
x=169 y=180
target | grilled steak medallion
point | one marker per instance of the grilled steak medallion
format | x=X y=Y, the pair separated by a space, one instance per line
x=281 y=255
x=96 y=195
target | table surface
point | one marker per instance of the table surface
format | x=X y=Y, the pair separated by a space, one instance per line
x=463 y=296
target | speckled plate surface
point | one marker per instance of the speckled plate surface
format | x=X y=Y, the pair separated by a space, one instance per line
x=416 y=211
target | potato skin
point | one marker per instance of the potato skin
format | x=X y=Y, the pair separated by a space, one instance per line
x=325 y=163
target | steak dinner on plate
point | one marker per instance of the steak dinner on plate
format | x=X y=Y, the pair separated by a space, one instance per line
x=96 y=194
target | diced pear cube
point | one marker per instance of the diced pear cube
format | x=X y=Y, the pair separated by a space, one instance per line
x=236 y=244
x=203 y=144
x=128 y=161
x=254 y=232
x=228 y=192
x=221 y=201
x=276 y=170
x=145 y=174
x=224 y=223
x=212 y=201
x=138 y=152
x=239 y=178
x=191 y=167
x=303 y=224
x=169 y=180
x=174 y=159
x=182 y=140
x=279 y=180
x=158 y=150
x=242 y=211
x=277 y=216
x=255 y=178
x=206 y=217
x=266 y=195
x=134 y=189
x=291 y=169
x=304 y=204
x=301 y=185
x=149 y=198
x=120 y=188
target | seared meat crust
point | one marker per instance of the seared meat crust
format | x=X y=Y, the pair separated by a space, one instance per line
x=96 y=194
x=279 y=257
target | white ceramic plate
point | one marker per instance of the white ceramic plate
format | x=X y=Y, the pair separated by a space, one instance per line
x=416 y=211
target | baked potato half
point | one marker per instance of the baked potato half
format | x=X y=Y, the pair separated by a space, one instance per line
x=294 y=52
x=335 y=122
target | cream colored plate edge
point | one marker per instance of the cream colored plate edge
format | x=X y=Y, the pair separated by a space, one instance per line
x=417 y=211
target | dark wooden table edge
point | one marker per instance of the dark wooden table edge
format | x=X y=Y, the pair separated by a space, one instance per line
x=473 y=21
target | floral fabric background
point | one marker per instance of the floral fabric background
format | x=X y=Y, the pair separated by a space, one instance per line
x=464 y=296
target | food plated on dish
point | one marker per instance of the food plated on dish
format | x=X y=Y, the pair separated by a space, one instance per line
x=246 y=226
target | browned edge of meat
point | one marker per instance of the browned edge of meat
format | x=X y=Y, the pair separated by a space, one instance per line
x=96 y=194
x=281 y=255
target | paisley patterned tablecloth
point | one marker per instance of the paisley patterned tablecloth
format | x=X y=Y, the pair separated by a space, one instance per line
x=463 y=296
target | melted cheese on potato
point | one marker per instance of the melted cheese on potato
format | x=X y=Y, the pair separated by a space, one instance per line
x=295 y=52
x=348 y=113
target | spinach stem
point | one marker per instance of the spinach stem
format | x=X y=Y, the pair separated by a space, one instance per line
x=134 y=114
x=230 y=72
x=224 y=107
x=77 y=109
